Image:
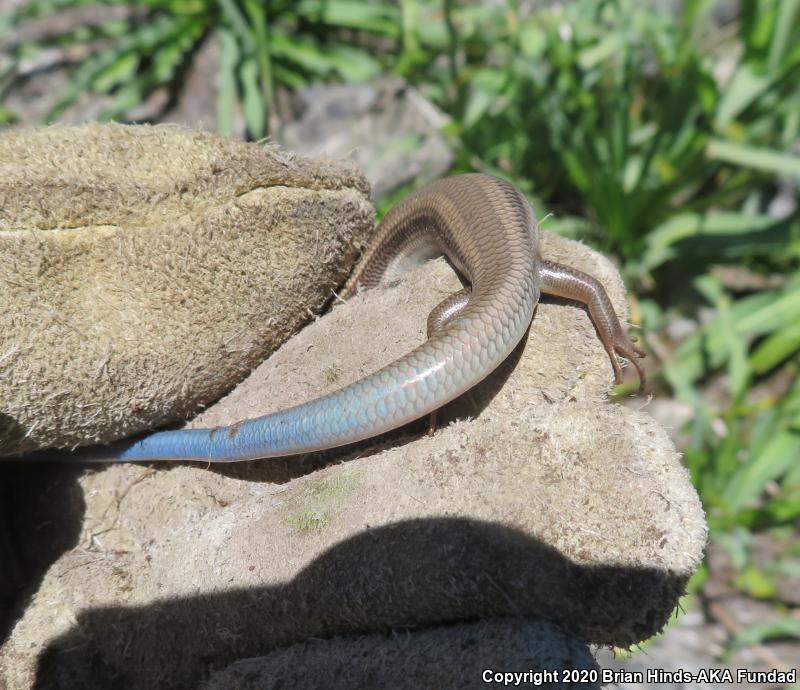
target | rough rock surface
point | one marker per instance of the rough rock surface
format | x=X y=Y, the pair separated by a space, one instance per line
x=386 y=126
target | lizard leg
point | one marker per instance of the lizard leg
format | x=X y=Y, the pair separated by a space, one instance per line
x=564 y=281
x=442 y=314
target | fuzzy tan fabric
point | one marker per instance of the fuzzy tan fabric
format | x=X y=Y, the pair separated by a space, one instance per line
x=549 y=503
x=146 y=270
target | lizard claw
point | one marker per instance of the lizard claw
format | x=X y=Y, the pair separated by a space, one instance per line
x=623 y=345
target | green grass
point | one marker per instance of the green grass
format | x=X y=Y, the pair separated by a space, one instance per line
x=264 y=45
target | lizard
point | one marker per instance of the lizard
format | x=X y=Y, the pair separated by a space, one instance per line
x=487 y=230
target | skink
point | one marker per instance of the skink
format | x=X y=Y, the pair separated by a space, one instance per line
x=487 y=229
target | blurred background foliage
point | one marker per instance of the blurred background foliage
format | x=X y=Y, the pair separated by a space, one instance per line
x=665 y=138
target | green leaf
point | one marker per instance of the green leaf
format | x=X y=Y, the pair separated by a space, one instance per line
x=238 y=23
x=779 y=510
x=756 y=633
x=612 y=45
x=226 y=96
x=532 y=40
x=757 y=314
x=380 y=18
x=352 y=64
x=744 y=87
x=7 y=116
x=257 y=12
x=166 y=60
x=577 y=171
x=737 y=543
x=785 y=22
x=738 y=366
x=486 y=88
x=40 y=8
x=252 y=105
x=290 y=77
x=78 y=35
x=784 y=309
x=477 y=104
x=128 y=97
x=119 y=71
x=302 y=51
x=778 y=346
x=573 y=227
x=661 y=242
x=143 y=40
x=749 y=482
x=756 y=583
x=767 y=160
